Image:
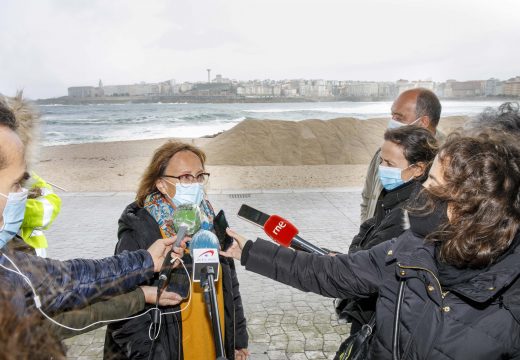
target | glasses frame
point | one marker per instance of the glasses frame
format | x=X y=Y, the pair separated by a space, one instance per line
x=206 y=175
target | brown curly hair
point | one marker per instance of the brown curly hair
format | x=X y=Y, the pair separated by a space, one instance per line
x=482 y=189
x=24 y=336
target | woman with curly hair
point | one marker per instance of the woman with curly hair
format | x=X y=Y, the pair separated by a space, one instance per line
x=452 y=280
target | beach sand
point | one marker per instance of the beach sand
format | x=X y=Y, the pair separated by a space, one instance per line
x=255 y=154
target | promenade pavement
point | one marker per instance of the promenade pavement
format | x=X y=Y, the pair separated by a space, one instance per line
x=283 y=323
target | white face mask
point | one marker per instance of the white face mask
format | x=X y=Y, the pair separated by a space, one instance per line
x=394 y=124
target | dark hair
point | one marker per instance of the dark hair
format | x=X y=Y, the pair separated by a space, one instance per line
x=24 y=336
x=419 y=145
x=159 y=162
x=428 y=104
x=7 y=117
x=482 y=189
x=506 y=118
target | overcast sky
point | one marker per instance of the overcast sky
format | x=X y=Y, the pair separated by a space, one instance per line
x=49 y=45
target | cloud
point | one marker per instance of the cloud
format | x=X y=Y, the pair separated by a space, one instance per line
x=48 y=45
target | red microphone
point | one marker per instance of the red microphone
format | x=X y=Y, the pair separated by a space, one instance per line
x=286 y=234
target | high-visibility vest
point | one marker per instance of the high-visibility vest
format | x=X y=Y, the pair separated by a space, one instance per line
x=39 y=214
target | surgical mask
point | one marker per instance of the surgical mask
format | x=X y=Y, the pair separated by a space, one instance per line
x=394 y=124
x=391 y=177
x=13 y=215
x=188 y=194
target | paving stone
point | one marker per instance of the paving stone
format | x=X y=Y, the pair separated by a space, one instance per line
x=277 y=355
x=314 y=344
x=311 y=355
x=297 y=356
x=295 y=346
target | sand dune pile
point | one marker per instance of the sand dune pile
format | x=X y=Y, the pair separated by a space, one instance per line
x=343 y=141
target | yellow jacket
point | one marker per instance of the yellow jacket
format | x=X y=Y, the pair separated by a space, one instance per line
x=40 y=212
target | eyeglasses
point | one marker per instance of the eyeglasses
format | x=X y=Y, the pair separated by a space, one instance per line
x=187 y=179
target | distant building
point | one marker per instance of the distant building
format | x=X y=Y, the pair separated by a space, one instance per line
x=81 y=91
x=358 y=89
x=512 y=87
x=463 y=89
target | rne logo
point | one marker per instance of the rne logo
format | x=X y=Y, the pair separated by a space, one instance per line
x=279 y=227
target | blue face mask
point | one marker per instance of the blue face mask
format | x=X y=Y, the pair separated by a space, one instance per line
x=391 y=177
x=188 y=194
x=13 y=215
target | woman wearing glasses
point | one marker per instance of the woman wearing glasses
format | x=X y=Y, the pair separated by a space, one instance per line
x=176 y=176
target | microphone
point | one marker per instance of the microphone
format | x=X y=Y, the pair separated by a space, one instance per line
x=186 y=221
x=278 y=229
x=204 y=251
x=286 y=234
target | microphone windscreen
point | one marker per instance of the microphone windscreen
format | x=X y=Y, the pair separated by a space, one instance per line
x=280 y=230
x=204 y=239
x=189 y=216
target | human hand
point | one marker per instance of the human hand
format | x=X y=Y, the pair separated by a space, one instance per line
x=241 y=354
x=159 y=249
x=235 y=250
x=167 y=298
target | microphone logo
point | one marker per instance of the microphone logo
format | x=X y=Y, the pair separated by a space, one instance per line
x=204 y=251
x=206 y=254
x=281 y=225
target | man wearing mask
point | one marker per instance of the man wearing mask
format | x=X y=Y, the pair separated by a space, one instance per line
x=419 y=107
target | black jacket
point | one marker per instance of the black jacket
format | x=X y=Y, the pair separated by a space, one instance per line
x=387 y=223
x=130 y=339
x=477 y=319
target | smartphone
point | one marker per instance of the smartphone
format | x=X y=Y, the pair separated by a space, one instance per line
x=220 y=224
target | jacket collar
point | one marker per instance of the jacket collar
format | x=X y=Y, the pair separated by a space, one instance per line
x=411 y=251
x=394 y=197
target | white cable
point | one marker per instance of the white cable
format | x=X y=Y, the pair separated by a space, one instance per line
x=38 y=304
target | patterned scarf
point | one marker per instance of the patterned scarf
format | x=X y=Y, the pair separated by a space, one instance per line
x=162 y=211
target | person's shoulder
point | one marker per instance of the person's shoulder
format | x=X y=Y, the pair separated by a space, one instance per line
x=134 y=216
x=132 y=211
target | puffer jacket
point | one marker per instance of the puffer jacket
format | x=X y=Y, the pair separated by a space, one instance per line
x=66 y=285
x=130 y=339
x=478 y=319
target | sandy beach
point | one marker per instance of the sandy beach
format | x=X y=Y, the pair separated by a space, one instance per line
x=255 y=154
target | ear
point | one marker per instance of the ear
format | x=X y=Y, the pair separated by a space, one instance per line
x=425 y=122
x=419 y=169
x=161 y=186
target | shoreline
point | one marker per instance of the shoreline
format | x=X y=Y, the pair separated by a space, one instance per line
x=253 y=155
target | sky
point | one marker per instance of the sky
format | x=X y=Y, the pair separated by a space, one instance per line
x=49 y=45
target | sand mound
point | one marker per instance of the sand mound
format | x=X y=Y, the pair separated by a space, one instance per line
x=307 y=142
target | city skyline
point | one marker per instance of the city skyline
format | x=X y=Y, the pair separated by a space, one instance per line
x=223 y=89
x=49 y=45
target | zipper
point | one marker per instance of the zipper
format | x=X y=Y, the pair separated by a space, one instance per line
x=443 y=293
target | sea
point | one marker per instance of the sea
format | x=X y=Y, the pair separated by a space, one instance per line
x=76 y=124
